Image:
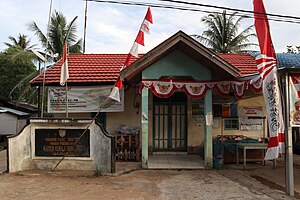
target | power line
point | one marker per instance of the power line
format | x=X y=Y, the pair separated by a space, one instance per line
x=272 y=17
x=232 y=9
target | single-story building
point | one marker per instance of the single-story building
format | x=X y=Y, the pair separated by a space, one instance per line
x=14 y=116
x=176 y=98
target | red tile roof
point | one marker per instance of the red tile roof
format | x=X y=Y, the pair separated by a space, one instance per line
x=85 y=69
x=244 y=62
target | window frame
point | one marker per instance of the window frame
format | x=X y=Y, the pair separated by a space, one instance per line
x=231 y=124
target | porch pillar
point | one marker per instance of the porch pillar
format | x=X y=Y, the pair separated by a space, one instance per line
x=208 y=143
x=144 y=119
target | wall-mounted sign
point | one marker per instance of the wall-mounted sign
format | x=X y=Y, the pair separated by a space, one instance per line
x=251 y=111
x=251 y=124
x=57 y=142
x=83 y=99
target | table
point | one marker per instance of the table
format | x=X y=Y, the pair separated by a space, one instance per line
x=245 y=147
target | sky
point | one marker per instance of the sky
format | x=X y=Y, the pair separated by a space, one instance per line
x=112 y=28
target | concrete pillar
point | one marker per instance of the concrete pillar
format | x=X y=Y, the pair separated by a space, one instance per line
x=289 y=166
x=145 y=128
x=208 y=143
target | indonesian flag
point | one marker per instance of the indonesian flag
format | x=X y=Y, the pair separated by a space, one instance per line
x=64 y=72
x=267 y=67
x=115 y=93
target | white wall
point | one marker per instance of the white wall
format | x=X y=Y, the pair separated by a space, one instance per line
x=22 y=148
x=130 y=117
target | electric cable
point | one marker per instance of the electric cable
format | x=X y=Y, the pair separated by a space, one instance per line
x=272 y=17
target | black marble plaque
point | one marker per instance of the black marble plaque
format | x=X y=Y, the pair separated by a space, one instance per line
x=56 y=142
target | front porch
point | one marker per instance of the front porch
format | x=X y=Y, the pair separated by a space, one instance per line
x=175 y=160
x=176 y=82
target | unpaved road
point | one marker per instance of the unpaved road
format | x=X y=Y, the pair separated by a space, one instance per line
x=140 y=184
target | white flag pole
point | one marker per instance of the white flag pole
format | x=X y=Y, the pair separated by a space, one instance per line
x=43 y=91
x=67 y=108
x=45 y=68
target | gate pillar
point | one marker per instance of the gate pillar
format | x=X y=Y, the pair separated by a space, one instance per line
x=208 y=143
x=144 y=119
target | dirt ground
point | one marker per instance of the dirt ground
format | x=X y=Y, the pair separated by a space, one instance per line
x=274 y=178
x=130 y=182
x=141 y=184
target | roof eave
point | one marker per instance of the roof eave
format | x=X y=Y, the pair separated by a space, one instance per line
x=178 y=40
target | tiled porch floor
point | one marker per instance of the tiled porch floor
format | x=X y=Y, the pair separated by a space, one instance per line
x=175 y=161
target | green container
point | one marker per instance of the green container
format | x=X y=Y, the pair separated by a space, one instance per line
x=218 y=163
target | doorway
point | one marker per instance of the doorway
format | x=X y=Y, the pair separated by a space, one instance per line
x=170 y=123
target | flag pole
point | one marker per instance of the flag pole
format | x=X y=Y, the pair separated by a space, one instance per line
x=67 y=107
x=83 y=133
x=45 y=68
x=115 y=90
x=85 y=24
x=289 y=170
x=280 y=140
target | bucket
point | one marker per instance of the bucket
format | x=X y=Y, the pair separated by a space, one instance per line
x=218 y=163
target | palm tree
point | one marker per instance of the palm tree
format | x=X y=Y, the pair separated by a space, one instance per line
x=15 y=65
x=21 y=41
x=223 y=35
x=18 y=50
x=58 y=31
x=19 y=60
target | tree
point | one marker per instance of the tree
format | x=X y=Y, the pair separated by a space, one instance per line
x=12 y=73
x=223 y=35
x=21 y=41
x=58 y=31
x=19 y=50
x=291 y=49
x=17 y=70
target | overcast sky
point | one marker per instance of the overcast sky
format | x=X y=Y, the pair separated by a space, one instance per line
x=112 y=28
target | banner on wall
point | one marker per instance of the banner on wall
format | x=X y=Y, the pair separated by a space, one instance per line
x=83 y=99
x=295 y=100
x=251 y=111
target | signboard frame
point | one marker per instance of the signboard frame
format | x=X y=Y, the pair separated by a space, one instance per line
x=82 y=99
x=57 y=142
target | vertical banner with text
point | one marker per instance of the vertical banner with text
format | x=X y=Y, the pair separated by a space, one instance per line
x=267 y=67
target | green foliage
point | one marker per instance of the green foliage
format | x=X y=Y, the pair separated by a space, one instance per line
x=59 y=31
x=18 y=55
x=21 y=41
x=223 y=35
x=98 y=172
x=291 y=49
x=12 y=72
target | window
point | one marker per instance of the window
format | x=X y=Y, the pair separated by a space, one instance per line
x=217 y=110
x=231 y=124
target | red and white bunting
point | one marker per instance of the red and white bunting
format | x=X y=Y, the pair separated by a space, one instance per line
x=165 y=89
x=195 y=90
x=267 y=67
x=239 y=89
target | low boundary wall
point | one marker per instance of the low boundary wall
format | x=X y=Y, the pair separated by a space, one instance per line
x=42 y=143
